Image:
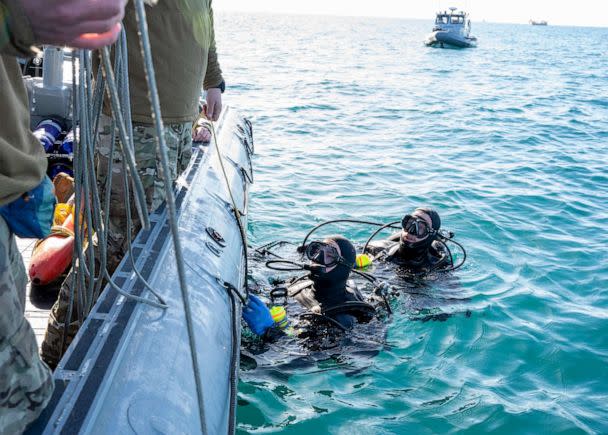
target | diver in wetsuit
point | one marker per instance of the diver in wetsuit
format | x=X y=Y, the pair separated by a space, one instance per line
x=326 y=293
x=418 y=247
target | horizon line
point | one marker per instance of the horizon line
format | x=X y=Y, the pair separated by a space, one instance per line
x=482 y=20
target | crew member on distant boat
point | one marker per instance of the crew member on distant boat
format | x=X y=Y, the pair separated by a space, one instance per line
x=26 y=196
x=327 y=293
x=420 y=247
x=185 y=60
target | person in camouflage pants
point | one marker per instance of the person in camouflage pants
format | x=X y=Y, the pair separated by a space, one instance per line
x=26 y=384
x=178 y=137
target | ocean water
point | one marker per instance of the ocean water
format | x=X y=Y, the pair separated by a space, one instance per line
x=356 y=118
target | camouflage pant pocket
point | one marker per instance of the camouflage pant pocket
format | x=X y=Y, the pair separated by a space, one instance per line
x=25 y=384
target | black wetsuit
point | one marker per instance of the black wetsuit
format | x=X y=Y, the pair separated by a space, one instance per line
x=320 y=331
x=342 y=310
x=423 y=260
x=345 y=306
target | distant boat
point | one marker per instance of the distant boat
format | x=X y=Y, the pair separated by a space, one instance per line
x=452 y=30
x=538 y=23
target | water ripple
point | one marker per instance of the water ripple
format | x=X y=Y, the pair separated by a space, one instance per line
x=355 y=118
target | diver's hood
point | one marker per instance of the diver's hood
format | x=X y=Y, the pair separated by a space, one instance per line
x=332 y=284
x=417 y=249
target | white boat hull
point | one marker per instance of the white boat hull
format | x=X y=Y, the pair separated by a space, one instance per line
x=444 y=39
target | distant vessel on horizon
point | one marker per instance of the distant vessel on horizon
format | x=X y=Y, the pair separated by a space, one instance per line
x=452 y=29
x=538 y=23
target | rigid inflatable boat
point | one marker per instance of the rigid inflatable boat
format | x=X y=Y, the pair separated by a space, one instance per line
x=129 y=369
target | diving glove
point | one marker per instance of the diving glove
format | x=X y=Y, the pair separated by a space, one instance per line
x=257 y=315
x=31 y=215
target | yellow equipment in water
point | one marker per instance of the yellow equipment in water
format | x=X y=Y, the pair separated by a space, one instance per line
x=279 y=315
x=362 y=261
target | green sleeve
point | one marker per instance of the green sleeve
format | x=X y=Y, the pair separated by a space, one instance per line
x=22 y=159
x=213 y=75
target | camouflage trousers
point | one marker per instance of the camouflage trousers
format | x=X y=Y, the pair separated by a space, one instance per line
x=179 y=143
x=25 y=381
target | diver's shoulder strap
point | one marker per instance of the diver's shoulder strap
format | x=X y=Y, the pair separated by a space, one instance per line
x=394 y=237
x=438 y=256
x=379 y=245
x=297 y=287
x=392 y=250
x=351 y=287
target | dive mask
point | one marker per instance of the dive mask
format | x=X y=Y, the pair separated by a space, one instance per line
x=416 y=226
x=325 y=255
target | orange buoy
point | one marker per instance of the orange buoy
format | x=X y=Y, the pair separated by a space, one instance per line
x=53 y=255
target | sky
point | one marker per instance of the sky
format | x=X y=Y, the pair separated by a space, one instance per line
x=556 y=12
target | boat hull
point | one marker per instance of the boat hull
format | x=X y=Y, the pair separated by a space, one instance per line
x=443 y=39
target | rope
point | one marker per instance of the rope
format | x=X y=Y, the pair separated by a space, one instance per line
x=162 y=304
x=121 y=68
x=125 y=138
x=92 y=206
x=234 y=354
x=235 y=209
x=87 y=102
x=58 y=230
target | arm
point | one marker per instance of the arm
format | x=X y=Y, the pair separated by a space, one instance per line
x=377 y=246
x=214 y=82
x=384 y=247
x=87 y=24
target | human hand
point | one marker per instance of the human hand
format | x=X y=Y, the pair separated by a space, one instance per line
x=257 y=315
x=31 y=215
x=78 y=23
x=201 y=134
x=213 y=108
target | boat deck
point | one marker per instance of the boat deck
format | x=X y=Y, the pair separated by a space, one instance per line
x=38 y=302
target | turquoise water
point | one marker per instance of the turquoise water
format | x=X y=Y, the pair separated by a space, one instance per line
x=355 y=118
